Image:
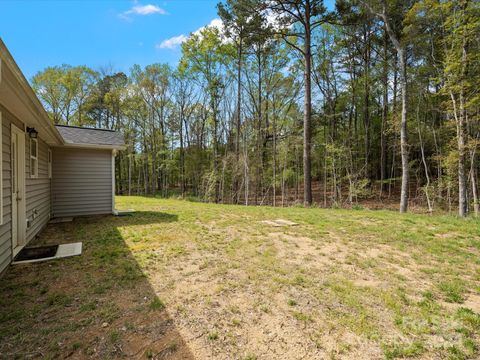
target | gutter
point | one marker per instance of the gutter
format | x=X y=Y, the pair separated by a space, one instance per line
x=93 y=146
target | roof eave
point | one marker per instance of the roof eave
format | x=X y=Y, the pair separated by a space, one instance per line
x=94 y=146
x=31 y=101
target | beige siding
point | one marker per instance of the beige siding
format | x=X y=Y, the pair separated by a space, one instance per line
x=38 y=190
x=81 y=182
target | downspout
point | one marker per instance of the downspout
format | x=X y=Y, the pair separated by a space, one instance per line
x=114 y=153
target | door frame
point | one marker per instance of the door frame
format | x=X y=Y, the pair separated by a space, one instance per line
x=19 y=221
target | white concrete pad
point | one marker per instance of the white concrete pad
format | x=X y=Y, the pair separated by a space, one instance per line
x=67 y=250
x=63 y=251
x=123 y=212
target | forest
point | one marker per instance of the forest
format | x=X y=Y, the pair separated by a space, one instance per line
x=372 y=103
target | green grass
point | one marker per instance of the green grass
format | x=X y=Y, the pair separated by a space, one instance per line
x=291 y=302
x=157 y=304
x=398 y=285
x=404 y=350
x=213 y=335
x=452 y=290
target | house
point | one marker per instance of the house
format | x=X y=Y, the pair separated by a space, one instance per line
x=46 y=171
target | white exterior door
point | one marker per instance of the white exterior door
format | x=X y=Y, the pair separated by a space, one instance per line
x=18 y=189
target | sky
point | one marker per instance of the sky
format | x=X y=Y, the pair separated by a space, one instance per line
x=100 y=33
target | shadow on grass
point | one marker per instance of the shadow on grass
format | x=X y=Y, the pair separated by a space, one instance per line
x=100 y=304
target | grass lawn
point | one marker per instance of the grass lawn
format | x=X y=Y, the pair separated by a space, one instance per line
x=186 y=280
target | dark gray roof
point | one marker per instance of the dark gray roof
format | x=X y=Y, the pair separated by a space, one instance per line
x=75 y=135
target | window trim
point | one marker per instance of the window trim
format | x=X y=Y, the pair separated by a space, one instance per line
x=35 y=158
x=49 y=161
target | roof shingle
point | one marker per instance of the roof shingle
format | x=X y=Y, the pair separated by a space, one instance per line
x=75 y=135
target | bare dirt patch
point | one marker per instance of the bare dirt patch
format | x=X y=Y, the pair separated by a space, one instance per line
x=236 y=310
x=279 y=223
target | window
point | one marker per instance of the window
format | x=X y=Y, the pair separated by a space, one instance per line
x=49 y=163
x=33 y=158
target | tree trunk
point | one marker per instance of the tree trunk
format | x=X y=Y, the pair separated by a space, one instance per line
x=366 y=105
x=459 y=113
x=424 y=162
x=402 y=56
x=182 y=156
x=274 y=159
x=307 y=171
x=473 y=177
x=461 y=138
x=258 y=184
x=383 y=140
x=394 y=112
x=462 y=180
x=238 y=118
x=129 y=174
x=403 y=131
x=476 y=205
x=462 y=183
x=245 y=170
x=215 y=147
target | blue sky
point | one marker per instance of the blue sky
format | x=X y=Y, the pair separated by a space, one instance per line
x=99 y=33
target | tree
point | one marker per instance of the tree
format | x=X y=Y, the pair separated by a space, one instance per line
x=64 y=90
x=184 y=100
x=243 y=25
x=393 y=27
x=461 y=25
x=206 y=55
x=226 y=125
x=457 y=25
x=48 y=85
x=298 y=20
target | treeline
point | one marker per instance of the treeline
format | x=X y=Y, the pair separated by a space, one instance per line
x=289 y=102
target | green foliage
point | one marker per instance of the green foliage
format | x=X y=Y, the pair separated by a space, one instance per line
x=184 y=134
x=64 y=91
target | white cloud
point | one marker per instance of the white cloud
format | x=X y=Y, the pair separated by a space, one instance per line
x=148 y=9
x=217 y=23
x=172 y=43
x=142 y=10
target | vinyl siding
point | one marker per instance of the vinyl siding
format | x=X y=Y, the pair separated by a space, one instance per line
x=81 y=182
x=37 y=190
x=6 y=228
